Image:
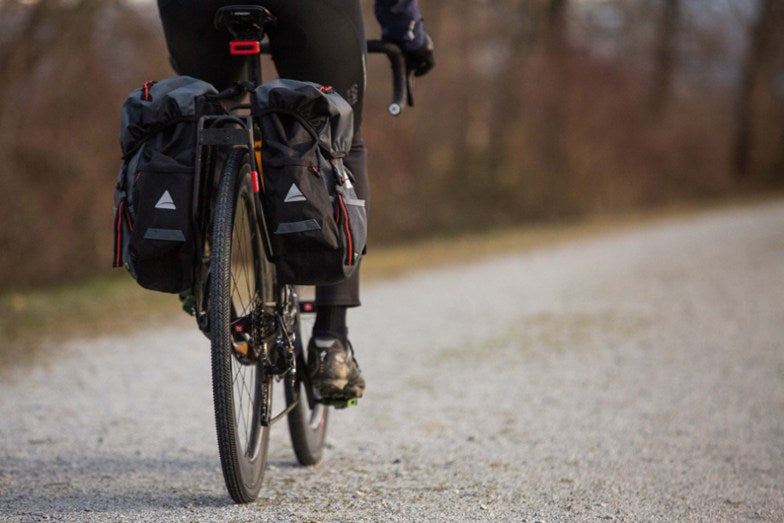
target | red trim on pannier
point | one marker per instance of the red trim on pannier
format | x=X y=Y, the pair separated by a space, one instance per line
x=146 y=87
x=346 y=225
x=118 y=236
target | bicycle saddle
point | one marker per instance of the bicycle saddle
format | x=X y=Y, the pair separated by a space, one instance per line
x=244 y=21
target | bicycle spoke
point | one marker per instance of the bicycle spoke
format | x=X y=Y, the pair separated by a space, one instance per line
x=240 y=413
x=242 y=282
x=244 y=410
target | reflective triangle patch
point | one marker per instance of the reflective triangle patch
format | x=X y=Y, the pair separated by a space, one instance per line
x=166 y=202
x=294 y=195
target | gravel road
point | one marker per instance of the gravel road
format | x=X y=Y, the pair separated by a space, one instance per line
x=635 y=377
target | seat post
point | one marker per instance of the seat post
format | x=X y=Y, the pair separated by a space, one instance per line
x=246 y=24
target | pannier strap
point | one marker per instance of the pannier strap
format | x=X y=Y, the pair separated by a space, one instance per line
x=152 y=131
x=305 y=124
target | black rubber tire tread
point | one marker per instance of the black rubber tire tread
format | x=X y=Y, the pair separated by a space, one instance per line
x=233 y=460
x=308 y=442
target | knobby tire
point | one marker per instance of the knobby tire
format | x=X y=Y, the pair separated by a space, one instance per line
x=307 y=427
x=239 y=387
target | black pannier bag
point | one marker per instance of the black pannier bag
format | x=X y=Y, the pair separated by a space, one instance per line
x=153 y=197
x=318 y=224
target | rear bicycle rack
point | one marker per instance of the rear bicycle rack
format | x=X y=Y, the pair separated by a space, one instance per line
x=230 y=131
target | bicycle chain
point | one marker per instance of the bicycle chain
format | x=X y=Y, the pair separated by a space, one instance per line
x=286 y=339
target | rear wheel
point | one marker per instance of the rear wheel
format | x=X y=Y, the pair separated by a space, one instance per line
x=307 y=426
x=241 y=387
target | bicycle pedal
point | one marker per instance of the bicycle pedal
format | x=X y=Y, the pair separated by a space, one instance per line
x=340 y=403
x=188 y=303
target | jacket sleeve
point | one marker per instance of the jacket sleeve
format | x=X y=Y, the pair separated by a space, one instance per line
x=401 y=22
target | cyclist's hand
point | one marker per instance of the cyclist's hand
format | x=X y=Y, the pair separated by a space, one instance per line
x=420 y=61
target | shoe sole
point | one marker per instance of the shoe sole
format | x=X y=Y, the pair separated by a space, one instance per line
x=339 y=390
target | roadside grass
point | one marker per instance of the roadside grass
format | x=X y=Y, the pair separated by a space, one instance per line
x=31 y=321
x=116 y=305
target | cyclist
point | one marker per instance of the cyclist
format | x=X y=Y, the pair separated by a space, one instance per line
x=321 y=41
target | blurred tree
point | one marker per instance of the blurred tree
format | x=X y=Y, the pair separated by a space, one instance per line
x=67 y=65
x=554 y=41
x=665 y=53
x=529 y=91
x=537 y=109
x=759 y=143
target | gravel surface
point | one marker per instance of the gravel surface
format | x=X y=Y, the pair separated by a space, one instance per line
x=632 y=377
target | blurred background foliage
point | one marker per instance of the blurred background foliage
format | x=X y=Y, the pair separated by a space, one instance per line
x=537 y=110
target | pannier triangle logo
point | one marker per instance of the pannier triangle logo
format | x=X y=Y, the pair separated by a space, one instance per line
x=166 y=202
x=294 y=195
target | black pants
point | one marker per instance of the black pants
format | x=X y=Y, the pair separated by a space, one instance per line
x=320 y=41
